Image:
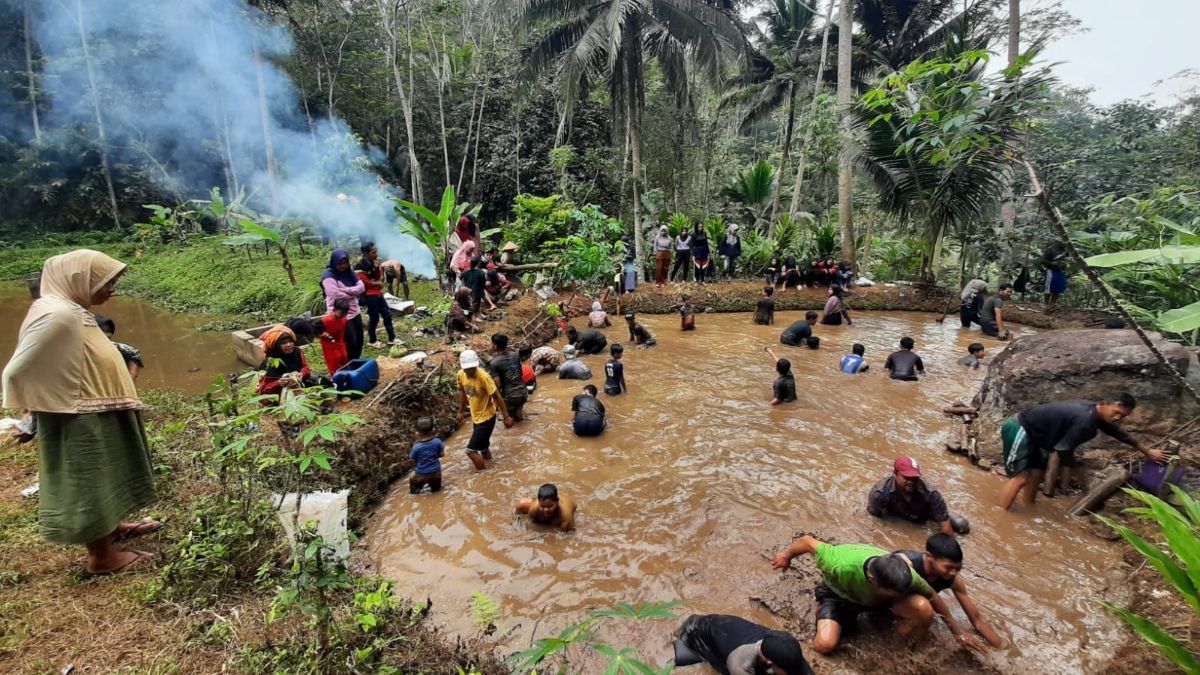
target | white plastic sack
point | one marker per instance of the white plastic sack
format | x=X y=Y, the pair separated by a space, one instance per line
x=863 y=281
x=328 y=509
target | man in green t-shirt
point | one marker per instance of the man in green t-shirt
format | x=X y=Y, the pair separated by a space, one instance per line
x=857 y=578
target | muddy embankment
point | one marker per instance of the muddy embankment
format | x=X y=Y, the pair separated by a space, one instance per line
x=377 y=454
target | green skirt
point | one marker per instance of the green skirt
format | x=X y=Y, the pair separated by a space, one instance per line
x=94 y=471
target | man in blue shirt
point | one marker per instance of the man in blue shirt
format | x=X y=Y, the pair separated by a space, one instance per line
x=854 y=363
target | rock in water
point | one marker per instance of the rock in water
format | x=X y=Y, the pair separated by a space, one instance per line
x=1088 y=364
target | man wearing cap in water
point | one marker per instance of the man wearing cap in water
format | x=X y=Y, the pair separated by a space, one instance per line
x=549 y=509
x=904 y=495
x=734 y=646
x=477 y=391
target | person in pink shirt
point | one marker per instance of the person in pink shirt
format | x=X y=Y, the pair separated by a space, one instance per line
x=339 y=281
x=461 y=261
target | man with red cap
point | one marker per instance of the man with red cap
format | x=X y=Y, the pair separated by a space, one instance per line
x=735 y=646
x=905 y=495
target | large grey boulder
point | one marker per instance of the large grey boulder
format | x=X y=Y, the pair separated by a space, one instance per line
x=1089 y=364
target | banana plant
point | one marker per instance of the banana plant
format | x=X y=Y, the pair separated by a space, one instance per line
x=433 y=230
x=253 y=233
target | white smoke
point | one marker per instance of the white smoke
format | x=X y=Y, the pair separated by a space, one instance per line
x=180 y=81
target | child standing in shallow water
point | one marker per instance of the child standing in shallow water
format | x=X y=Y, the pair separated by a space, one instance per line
x=687 y=314
x=427 y=453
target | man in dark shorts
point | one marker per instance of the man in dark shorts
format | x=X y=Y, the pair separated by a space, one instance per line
x=589 y=413
x=799 y=332
x=736 y=646
x=395 y=273
x=905 y=364
x=905 y=495
x=1029 y=438
x=477 y=391
x=639 y=335
x=586 y=342
x=784 y=388
x=940 y=566
x=764 y=311
x=856 y=578
x=505 y=369
x=991 y=317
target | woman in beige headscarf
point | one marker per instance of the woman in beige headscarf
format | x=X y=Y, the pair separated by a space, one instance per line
x=94 y=461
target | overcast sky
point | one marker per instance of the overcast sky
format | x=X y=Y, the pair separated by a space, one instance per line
x=1129 y=45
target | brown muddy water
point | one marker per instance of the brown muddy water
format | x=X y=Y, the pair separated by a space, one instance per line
x=177 y=354
x=698 y=480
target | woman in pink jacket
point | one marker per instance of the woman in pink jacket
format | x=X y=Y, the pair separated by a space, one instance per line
x=339 y=281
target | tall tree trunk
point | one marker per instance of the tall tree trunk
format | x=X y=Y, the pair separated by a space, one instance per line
x=264 y=117
x=633 y=78
x=95 y=95
x=845 y=175
x=388 y=20
x=1008 y=206
x=794 y=208
x=788 y=130
x=33 y=106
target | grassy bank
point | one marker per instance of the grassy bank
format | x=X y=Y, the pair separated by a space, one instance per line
x=204 y=275
x=224 y=594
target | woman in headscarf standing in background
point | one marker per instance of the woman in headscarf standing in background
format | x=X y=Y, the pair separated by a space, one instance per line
x=93 y=457
x=662 y=255
x=339 y=281
x=730 y=249
x=461 y=261
x=972 y=301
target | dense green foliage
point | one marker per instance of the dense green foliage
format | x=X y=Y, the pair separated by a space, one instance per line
x=1178 y=562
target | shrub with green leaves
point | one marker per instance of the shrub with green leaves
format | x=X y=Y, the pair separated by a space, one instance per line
x=1178 y=561
x=561 y=648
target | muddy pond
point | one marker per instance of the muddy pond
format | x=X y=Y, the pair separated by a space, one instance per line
x=178 y=355
x=698 y=480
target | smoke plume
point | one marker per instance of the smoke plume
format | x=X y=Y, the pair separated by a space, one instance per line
x=190 y=90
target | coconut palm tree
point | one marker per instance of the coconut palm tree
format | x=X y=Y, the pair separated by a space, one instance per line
x=587 y=41
x=945 y=170
x=775 y=75
x=895 y=33
x=753 y=189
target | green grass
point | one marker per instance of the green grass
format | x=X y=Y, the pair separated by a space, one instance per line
x=204 y=275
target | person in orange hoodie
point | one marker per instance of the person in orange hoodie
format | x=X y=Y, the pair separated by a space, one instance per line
x=333 y=336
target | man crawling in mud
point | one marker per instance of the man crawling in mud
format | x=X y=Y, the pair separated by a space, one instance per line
x=857 y=578
x=549 y=509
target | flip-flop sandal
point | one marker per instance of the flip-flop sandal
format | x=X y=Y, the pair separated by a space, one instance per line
x=139 y=529
x=139 y=557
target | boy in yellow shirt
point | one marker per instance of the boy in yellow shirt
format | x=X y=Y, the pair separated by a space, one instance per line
x=477 y=391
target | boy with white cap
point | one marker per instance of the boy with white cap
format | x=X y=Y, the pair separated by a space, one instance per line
x=477 y=391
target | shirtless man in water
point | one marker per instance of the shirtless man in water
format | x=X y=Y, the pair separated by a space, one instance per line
x=549 y=509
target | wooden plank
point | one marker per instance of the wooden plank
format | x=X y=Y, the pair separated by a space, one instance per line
x=1096 y=496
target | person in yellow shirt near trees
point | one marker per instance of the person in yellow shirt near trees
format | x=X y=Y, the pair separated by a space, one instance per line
x=478 y=391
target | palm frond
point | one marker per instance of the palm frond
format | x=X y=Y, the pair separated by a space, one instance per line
x=560 y=41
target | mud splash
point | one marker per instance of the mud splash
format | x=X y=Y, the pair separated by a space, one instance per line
x=698 y=480
x=178 y=355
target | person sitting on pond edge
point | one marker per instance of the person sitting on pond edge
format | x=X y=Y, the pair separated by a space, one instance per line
x=940 y=566
x=734 y=646
x=639 y=335
x=589 y=413
x=784 y=387
x=904 y=365
x=477 y=392
x=550 y=509
x=905 y=495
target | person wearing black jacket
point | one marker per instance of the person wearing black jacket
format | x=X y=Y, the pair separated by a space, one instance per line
x=732 y=645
